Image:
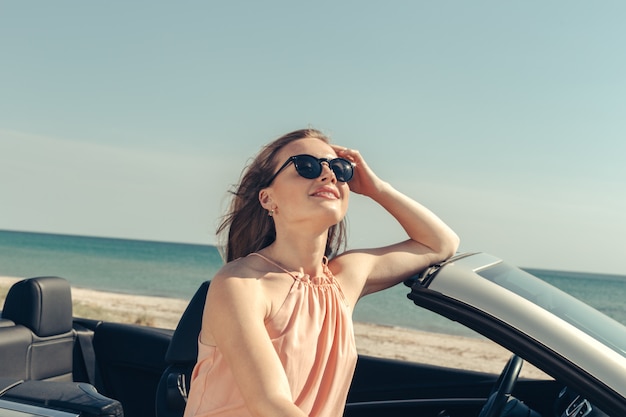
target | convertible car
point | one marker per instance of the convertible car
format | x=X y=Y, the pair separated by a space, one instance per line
x=54 y=364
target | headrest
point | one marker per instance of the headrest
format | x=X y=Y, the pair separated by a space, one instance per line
x=184 y=344
x=43 y=304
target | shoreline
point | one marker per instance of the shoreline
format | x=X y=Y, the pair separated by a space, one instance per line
x=371 y=339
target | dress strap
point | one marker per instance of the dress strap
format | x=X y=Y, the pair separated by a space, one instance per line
x=275 y=264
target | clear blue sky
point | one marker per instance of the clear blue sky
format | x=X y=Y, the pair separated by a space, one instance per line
x=508 y=119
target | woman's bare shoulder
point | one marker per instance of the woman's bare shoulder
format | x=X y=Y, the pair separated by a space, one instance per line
x=247 y=270
x=351 y=270
x=236 y=295
x=351 y=262
x=235 y=283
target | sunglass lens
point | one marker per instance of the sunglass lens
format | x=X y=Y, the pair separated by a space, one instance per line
x=308 y=167
x=342 y=168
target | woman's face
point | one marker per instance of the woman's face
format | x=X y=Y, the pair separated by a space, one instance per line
x=321 y=201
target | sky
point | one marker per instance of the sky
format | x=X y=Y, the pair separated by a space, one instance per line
x=507 y=119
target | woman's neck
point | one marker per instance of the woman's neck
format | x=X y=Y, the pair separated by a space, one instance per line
x=298 y=253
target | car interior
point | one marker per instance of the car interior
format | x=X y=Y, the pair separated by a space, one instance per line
x=50 y=359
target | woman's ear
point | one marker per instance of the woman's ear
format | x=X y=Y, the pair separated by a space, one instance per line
x=265 y=198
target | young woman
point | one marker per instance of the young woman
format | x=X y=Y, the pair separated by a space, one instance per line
x=277 y=337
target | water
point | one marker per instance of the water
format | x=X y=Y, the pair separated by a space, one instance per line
x=119 y=265
x=176 y=270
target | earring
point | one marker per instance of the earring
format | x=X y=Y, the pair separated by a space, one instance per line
x=270 y=213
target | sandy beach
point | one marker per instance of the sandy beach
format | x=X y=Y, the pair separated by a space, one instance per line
x=383 y=341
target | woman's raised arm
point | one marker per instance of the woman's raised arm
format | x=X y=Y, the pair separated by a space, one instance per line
x=430 y=239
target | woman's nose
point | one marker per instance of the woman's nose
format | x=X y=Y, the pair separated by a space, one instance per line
x=327 y=172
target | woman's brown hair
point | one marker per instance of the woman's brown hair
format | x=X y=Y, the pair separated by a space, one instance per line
x=246 y=223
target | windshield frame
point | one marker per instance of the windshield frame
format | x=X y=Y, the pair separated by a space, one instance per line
x=456 y=290
x=596 y=324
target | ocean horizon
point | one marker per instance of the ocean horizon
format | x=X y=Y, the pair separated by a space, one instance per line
x=176 y=270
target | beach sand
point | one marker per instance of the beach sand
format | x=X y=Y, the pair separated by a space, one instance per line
x=371 y=339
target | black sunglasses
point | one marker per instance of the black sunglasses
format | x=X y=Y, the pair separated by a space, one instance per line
x=310 y=167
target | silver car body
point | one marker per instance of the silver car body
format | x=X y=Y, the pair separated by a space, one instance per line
x=551 y=321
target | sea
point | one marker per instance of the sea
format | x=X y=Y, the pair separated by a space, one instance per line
x=176 y=270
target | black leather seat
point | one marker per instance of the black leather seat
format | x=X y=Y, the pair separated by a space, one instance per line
x=14 y=343
x=37 y=346
x=181 y=357
x=41 y=309
x=6 y=322
x=76 y=397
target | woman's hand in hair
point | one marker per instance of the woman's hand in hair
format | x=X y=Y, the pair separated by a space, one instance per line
x=364 y=181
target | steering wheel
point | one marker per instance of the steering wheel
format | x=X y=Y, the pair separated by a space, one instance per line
x=503 y=388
